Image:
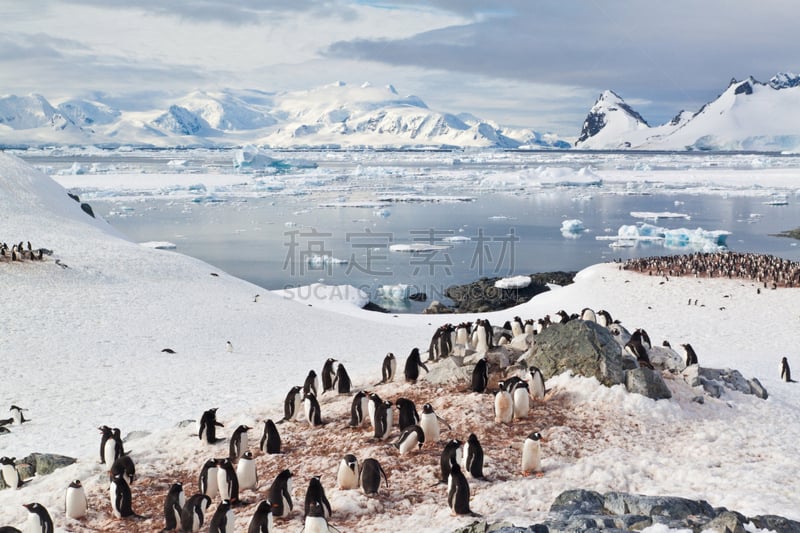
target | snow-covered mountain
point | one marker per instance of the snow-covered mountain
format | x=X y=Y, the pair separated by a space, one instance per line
x=336 y=115
x=748 y=115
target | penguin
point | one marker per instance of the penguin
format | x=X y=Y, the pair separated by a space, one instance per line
x=411 y=438
x=517 y=327
x=8 y=529
x=463 y=332
x=121 y=498
x=503 y=405
x=522 y=400
x=375 y=401
x=10 y=473
x=119 y=448
x=193 y=512
x=227 y=481
x=407 y=413
x=347 y=475
x=271 y=439
x=292 y=403
x=536 y=385
x=168 y=350
x=280 y=494
x=222 y=521
x=342 y=381
x=604 y=318
x=262 y=519
x=588 y=315
x=315 y=520
x=636 y=349
x=208 y=479
x=173 y=505
x=413 y=364
x=124 y=466
x=111 y=447
x=359 y=409
x=384 y=418
x=429 y=422
x=246 y=472
x=473 y=457
x=17 y=415
x=312 y=409
x=75 y=502
x=786 y=372
x=691 y=356
x=641 y=336
x=370 y=477
x=480 y=376
x=531 y=454
x=39 y=520
x=238 y=443
x=229 y=346
x=480 y=337
x=311 y=383
x=458 y=492
x=208 y=426
x=453 y=451
x=328 y=374
x=107 y=434
x=315 y=494
x=388 y=368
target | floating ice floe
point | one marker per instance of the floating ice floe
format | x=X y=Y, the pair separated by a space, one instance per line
x=777 y=199
x=75 y=170
x=398 y=292
x=514 y=282
x=177 y=163
x=382 y=213
x=322 y=260
x=695 y=239
x=456 y=239
x=651 y=215
x=572 y=229
x=159 y=245
x=417 y=247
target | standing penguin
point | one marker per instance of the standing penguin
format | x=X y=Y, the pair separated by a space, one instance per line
x=342 y=381
x=347 y=475
x=691 y=357
x=359 y=409
x=388 y=368
x=429 y=422
x=75 y=503
x=193 y=513
x=370 y=477
x=107 y=434
x=39 y=520
x=407 y=413
x=473 y=457
x=246 y=472
x=315 y=494
x=208 y=426
x=208 y=479
x=786 y=372
x=328 y=375
x=271 y=439
x=222 y=521
x=315 y=520
x=10 y=473
x=262 y=518
x=384 y=418
x=173 y=506
x=412 y=437
x=531 y=454
x=503 y=405
x=413 y=364
x=293 y=403
x=311 y=383
x=453 y=451
x=124 y=466
x=522 y=399
x=312 y=409
x=238 y=444
x=458 y=491
x=375 y=402
x=17 y=415
x=280 y=494
x=227 y=481
x=121 y=498
x=536 y=385
x=480 y=375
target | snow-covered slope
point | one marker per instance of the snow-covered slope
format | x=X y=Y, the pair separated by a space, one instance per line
x=748 y=115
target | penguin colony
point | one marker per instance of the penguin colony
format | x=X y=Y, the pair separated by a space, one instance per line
x=22 y=251
x=397 y=445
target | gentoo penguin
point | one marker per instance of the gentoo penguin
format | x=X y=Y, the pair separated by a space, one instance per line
x=328 y=375
x=359 y=410
x=8 y=529
x=388 y=368
x=463 y=332
x=315 y=520
x=429 y=422
x=17 y=415
x=106 y=435
x=531 y=455
x=536 y=384
x=522 y=399
x=503 y=405
x=473 y=457
x=636 y=349
x=453 y=451
x=347 y=475
x=384 y=418
x=111 y=447
x=480 y=337
x=208 y=426
x=193 y=513
x=293 y=403
x=280 y=494
x=208 y=479
x=124 y=466
x=311 y=383
x=480 y=375
x=410 y=439
x=370 y=477
x=588 y=315
x=786 y=372
x=10 y=474
x=246 y=472
x=641 y=336
x=342 y=381
x=75 y=502
x=315 y=494
x=375 y=401
x=691 y=356
x=222 y=521
x=312 y=409
x=238 y=444
x=271 y=439
x=517 y=327
x=227 y=481
x=604 y=318
x=173 y=505
x=229 y=346
x=121 y=498
x=413 y=364
x=262 y=518
x=39 y=520
x=407 y=413
x=458 y=491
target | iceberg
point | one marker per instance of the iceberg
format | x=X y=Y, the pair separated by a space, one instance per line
x=572 y=229
x=318 y=260
x=695 y=239
x=399 y=292
x=515 y=282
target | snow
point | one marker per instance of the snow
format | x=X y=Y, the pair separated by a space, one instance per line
x=159 y=245
x=514 y=282
x=82 y=347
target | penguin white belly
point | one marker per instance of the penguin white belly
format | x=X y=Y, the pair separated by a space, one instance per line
x=33 y=524
x=109 y=451
x=408 y=444
x=531 y=461
x=315 y=524
x=224 y=484
x=521 y=403
x=461 y=457
x=536 y=385
x=430 y=427
x=246 y=473
x=516 y=329
x=76 y=504
x=481 y=344
x=11 y=476
x=212 y=488
x=503 y=407
x=371 y=411
x=346 y=478
x=112 y=494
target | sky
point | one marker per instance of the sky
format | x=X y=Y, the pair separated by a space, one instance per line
x=532 y=63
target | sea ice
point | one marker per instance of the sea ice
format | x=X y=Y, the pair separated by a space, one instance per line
x=515 y=282
x=695 y=239
x=399 y=292
x=572 y=228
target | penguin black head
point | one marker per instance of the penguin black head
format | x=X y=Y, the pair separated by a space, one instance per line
x=247 y=455
x=535 y=436
x=427 y=408
x=75 y=484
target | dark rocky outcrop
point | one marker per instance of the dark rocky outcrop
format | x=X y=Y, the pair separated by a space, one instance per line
x=39 y=464
x=647 y=382
x=482 y=296
x=716 y=380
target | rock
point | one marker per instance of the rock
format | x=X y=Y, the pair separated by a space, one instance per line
x=482 y=296
x=133 y=435
x=647 y=383
x=522 y=342
x=448 y=371
x=664 y=358
x=775 y=523
x=87 y=209
x=418 y=297
x=484 y=527
x=186 y=423
x=726 y=522
x=585 y=348
x=714 y=381
x=758 y=389
x=436 y=308
x=668 y=507
x=46 y=463
x=497 y=357
x=578 y=501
